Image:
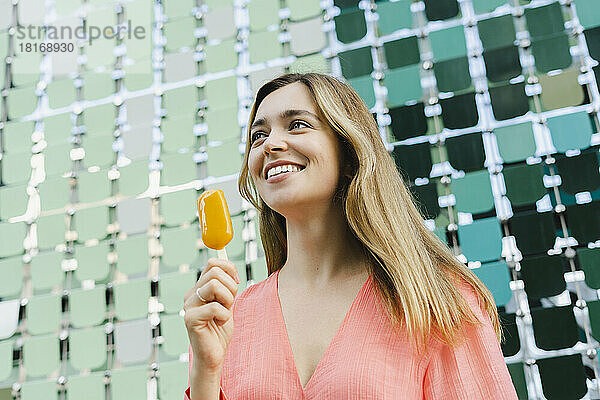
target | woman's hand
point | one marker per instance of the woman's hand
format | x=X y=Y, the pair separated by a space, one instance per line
x=210 y=324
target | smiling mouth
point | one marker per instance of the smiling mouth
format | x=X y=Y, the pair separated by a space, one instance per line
x=284 y=174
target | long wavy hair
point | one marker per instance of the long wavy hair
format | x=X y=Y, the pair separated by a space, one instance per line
x=414 y=271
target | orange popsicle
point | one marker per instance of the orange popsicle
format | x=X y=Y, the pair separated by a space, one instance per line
x=215 y=221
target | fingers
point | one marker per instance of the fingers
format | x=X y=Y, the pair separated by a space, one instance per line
x=216 y=283
x=207 y=313
x=212 y=291
x=226 y=265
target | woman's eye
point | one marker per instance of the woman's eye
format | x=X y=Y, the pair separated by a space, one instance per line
x=255 y=135
x=296 y=123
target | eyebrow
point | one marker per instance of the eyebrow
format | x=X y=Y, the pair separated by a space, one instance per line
x=284 y=115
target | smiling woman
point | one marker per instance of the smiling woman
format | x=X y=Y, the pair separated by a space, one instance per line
x=362 y=301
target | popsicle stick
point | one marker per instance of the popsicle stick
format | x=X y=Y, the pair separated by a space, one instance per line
x=222 y=254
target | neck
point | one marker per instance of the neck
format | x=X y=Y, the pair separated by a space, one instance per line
x=322 y=251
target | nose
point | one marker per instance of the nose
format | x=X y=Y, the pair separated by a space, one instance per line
x=274 y=142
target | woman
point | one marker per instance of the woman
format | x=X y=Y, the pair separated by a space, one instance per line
x=362 y=301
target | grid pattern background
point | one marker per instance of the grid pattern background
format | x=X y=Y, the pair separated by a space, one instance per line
x=489 y=108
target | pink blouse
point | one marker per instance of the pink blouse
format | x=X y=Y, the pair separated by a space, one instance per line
x=365 y=360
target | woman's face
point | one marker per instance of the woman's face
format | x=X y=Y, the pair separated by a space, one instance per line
x=287 y=127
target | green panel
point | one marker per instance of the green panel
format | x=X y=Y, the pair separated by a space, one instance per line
x=179 y=245
x=402 y=52
x=92 y=263
x=590 y=260
x=571 y=131
x=485 y=6
x=221 y=57
x=16 y=167
x=364 y=88
x=496 y=278
x=129 y=383
x=312 y=63
x=12 y=278
x=21 y=101
x=46 y=390
x=263 y=13
x=131 y=299
x=394 y=16
x=26 y=67
x=40 y=355
x=463 y=189
x=133 y=178
x=175 y=334
x=481 y=240
x=6 y=359
x=217 y=4
x=170 y=288
x=51 y=231
x=100 y=53
x=93 y=186
x=87 y=348
x=178 y=207
x=497 y=32
x=180 y=33
x=178 y=169
x=178 y=8
x=133 y=256
x=303 y=9
x=448 y=43
x=17 y=136
x=452 y=75
x=524 y=183
x=140 y=74
x=178 y=133
x=12 y=238
x=173 y=379
x=403 y=84
x=224 y=159
x=588 y=13
x=54 y=193
x=222 y=124
x=91 y=223
x=237 y=248
x=183 y=100
x=60 y=93
x=100 y=119
x=87 y=307
x=350 y=26
x=264 y=46
x=552 y=53
x=46 y=271
x=44 y=314
x=357 y=62
x=545 y=21
x=518 y=378
x=515 y=142
x=89 y=387
x=13 y=201
x=57 y=128
x=98 y=151
x=97 y=85
x=57 y=160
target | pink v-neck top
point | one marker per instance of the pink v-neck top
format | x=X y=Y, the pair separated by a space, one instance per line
x=365 y=359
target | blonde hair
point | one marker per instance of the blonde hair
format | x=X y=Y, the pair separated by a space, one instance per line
x=413 y=277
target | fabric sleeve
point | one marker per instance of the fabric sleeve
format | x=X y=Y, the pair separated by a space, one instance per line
x=473 y=370
x=187 y=391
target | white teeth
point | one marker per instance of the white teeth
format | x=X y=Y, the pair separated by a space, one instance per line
x=282 y=168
